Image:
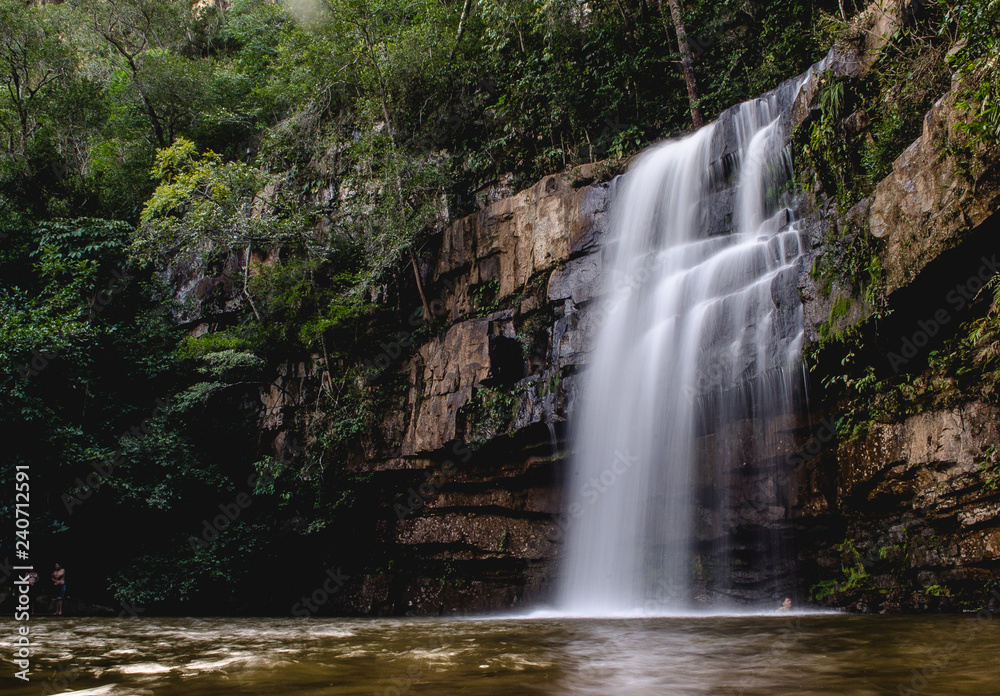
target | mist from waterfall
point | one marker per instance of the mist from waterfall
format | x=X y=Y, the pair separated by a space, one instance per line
x=698 y=333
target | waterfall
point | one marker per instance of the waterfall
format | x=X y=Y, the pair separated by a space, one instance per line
x=700 y=333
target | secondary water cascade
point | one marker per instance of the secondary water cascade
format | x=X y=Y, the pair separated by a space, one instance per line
x=695 y=361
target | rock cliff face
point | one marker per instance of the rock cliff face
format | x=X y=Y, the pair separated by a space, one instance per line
x=903 y=516
x=470 y=467
x=939 y=192
x=469 y=489
x=902 y=519
x=490 y=396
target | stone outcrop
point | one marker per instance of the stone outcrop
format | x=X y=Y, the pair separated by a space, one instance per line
x=893 y=452
x=536 y=254
x=511 y=241
x=918 y=515
x=443 y=377
x=942 y=191
x=941 y=188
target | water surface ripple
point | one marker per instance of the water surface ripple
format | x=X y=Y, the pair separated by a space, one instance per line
x=748 y=655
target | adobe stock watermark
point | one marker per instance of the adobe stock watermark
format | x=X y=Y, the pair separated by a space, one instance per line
x=118 y=282
x=404 y=681
x=663 y=597
x=426 y=491
x=212 y=529
x=594 y=488
x=393 y=350
x=6 y=570
x=22 y=645
x=60 y=169
x=444 y=129
x=131 y=609
x=60 y=679
x=960 y=297
x=824 y=435
x=775 y=659
x=632 y=280
x=766 y=491
x=62 y=676
x=307 y=606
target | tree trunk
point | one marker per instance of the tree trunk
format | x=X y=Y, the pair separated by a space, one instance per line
x=154 y=119
x=687 y=61
x=461 y=28
x=246 y=282
x=420 y=288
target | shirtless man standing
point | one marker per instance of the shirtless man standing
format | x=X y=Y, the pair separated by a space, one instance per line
x=59 y=580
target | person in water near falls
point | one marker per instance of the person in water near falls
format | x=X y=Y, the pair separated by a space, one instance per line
x=785 y=606
x=59 y=580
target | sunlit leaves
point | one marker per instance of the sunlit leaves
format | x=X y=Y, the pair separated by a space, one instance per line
x=202 y=200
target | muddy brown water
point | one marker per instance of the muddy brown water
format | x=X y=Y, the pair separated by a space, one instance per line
x=747 y=655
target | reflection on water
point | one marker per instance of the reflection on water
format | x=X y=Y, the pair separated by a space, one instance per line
x=752 y=656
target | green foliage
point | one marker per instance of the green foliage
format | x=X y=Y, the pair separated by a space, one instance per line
x=828 y=149
x=853 y=575
x=35 y=64
x=181 y=574
x=976 y=25
x=937 y=591
x=984 y=333
x=503 y=546
x=990 y=467
x=855 y=135
x=54 y=307
x=966 y=366
x=308 y=301
x=532 y=332
x=196 y=347
x=853 y=263
x=490 y=413
x=204 y=201
x=890 y=553
x=840 y=308
x=861 y=126
x=484 y=296
x=85 y=238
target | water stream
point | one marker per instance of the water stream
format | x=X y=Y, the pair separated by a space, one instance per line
x=702 y=328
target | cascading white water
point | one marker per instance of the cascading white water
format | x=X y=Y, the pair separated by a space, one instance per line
x=696 y=333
